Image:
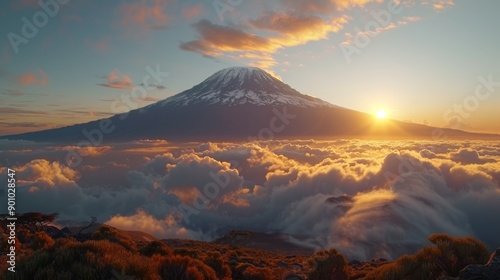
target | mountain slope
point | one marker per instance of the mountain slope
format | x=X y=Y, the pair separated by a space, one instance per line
x=239 y=103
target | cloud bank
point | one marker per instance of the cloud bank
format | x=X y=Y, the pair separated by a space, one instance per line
x=369 y=199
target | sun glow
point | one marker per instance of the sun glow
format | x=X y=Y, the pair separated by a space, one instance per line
x=381 y=114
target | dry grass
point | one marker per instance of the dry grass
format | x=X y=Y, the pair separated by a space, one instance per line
x=110 y=253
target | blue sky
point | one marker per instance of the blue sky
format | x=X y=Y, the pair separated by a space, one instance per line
x=422 y=65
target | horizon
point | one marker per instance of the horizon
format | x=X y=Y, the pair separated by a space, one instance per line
x=380 y=114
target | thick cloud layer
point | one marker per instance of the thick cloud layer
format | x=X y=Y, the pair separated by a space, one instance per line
x=368 y=199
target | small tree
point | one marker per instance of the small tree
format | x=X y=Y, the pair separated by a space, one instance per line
x=31 y=221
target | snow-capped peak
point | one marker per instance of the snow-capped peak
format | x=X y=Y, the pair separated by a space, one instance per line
x=228 y=75
x=236 y=86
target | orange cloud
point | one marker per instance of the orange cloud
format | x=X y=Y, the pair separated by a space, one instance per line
x=92 y=151
x=216 y=39
x=48 y=174
x=144 y=14
x=30 y=78
x=348 y=4
x=266 y=65
x=190 y=12
x=118 y=81
x=143 y=221
x=290 y=30
x=442 y=4
x=297 y=29
x=325 y=6
x=150 y=99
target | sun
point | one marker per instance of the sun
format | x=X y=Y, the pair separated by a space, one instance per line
x=381 y=114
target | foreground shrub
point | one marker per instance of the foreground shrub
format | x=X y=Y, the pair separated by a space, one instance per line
x=257 y=273
x=69 y=259
x=328 y=265
x=115 y=236
x=217 y=263
x=156 y=247
x=446 y=258
x=41 y=240
x=184 y=268
x=458 y=252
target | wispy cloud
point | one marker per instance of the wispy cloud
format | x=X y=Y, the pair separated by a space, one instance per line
x=286 y=30
x=215 y=40
x=11 y=92
x=83 y=112
x=442 y=4
x=118 y=81
x=190 y=12
x=324 y=6
x=297 y=29
x=290 y=23
x=8 y=111
x=38 y=78
x=152 y=86
x=140 y=16
x=150 y=99
x=21 y=124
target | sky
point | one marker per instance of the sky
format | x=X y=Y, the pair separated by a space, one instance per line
x=434 y=62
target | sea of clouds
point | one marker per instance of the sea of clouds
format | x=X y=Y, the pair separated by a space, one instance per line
x=368 y=199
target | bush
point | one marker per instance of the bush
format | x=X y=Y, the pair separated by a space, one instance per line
x=419 y=266
x=458 y=252
x=186 y=252
x=156 y=247
x=328 y=265
x=257 y=273
x=446 y=258
x=41 y=240
x=69 y=259
x=115 y=236
x=217 y=263
x=184 y=268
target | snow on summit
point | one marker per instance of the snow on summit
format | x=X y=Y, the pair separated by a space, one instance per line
x=243 y=85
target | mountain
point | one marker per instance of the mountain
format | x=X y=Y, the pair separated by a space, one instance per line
x=237 y=86
x=238 y=103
